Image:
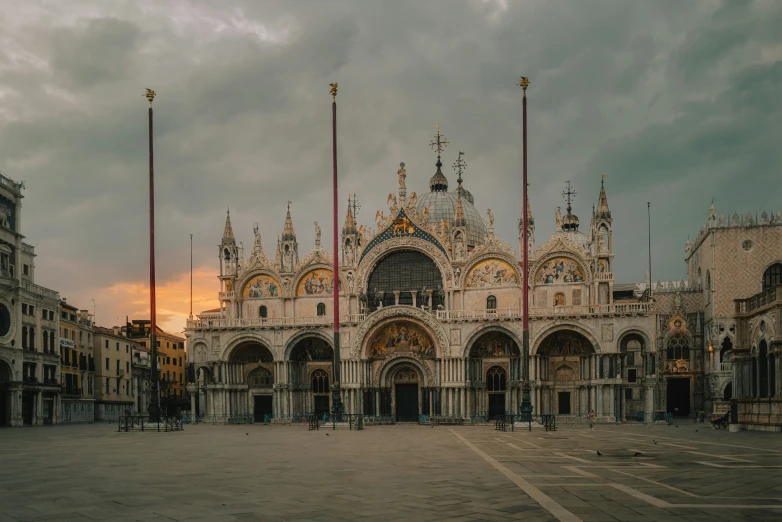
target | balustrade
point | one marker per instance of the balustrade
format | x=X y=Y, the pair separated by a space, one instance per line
x=223 y=322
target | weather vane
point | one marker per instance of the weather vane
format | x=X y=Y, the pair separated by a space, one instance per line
x=439 y=142
x=459 y=167
x=569 y=194
x=289 y=204
x=334 y=90
x=150 y=95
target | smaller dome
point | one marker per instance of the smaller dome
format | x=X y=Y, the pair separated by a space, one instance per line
x=438 y=182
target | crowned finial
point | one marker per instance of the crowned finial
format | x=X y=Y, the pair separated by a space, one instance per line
x=524 y=83
x=603 y=180
x=333 y=90
x=150 y=95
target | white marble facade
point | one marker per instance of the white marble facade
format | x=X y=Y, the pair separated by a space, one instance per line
x=442 y=335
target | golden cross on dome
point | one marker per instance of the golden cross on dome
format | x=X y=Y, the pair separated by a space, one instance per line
x=439 y=142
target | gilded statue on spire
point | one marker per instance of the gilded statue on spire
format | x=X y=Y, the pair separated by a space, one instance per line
x=150 y=95
x=333 y=90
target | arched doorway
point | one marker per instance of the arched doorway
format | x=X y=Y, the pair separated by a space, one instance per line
x=250 y=363
x=260 y=382
x=494 y=373
x=679 y=380
x=563 y=359
x=310 y=375
x=403 y=272
x=496 y=385
x=5 y=394
x=406 y=379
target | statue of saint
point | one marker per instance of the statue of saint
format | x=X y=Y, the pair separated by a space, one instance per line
x=257 y=235
x=558 y=217
x=402 y=174
x=317 y=234
x=491 y=217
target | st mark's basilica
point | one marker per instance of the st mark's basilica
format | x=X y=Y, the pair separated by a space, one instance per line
x=431 y=309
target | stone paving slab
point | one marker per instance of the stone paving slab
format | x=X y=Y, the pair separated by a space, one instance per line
x=276 y=473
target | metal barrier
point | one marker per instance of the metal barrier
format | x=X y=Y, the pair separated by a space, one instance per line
x=354 y=421
x=128 y=423
x=189 y=418
x=499 y=423
x=549 y=422
x=446 y=420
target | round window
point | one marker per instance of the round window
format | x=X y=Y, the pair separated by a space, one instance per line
x=747 y=245
x=5 y=320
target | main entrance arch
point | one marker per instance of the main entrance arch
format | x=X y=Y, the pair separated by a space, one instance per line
x=563 y=366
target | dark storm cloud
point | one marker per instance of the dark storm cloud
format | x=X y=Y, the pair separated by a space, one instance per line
x=674 y=101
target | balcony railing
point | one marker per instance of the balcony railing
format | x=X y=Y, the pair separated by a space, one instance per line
x=554 y=311
x=220 y=322
x=604 y=276
x=769 y=296
x=39 y=290
x=726 y=367
x=227 y=295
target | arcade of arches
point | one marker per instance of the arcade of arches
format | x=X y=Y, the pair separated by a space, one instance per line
x=401 y=375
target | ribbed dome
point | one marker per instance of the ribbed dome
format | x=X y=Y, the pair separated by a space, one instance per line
x=442 y=206
x=579 y=238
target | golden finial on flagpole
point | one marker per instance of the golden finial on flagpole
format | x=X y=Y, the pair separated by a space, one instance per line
x=524 y=82
x=334 y=90
x=150 y=95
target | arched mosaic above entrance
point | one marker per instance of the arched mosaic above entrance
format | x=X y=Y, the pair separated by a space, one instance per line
x=261 y=286
x=312 y=349
x=316 y=282
x=560 y=270
x=494 y=344
x=400 y=336
x=251 y=352
x=492 y=272
x=565 y=343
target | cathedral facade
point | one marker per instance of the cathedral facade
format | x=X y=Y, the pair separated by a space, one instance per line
x=431 y=319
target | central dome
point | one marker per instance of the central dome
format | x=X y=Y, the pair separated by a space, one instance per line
x=442 y=206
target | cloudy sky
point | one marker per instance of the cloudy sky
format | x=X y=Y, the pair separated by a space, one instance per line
x=677 y=102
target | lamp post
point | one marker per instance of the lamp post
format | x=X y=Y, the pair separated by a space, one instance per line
x=337 y=408
x=154 y=406
x=526 y=403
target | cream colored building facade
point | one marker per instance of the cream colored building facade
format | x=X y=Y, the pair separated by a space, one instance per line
x=29 y=325
x=114 y=393
x=430 y=302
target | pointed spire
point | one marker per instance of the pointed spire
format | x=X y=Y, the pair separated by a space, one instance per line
x=350 y=221
x=438 y=182
x=458 y=218
x=530 y=219
x=228 y=233
x=602 y=205
x=287 y=233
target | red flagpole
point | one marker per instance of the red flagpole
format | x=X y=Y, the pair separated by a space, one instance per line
x=336 y=398
x=526 y=403
x=154 y=406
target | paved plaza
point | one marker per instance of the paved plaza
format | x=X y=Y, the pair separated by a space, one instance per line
x=256 y=472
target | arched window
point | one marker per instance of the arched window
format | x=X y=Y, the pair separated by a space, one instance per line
x=263 y=312
x=32 y=338
x=727 y=394
x=320 y=382
x=491 y=303
x=260 y=378
x=678 y=347
x=227 y=254
x=496 y=379
x=45 y=342
x=24 y=337
x=708 y=281
x=772 y=276
x=403 y=271
x=727 y=346
x=321 y=309
x=51 y=342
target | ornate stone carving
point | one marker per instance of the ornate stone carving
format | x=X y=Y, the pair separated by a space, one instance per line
x=403 y=243
x=456 y=337
x=397 y=358
x=399 y=312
